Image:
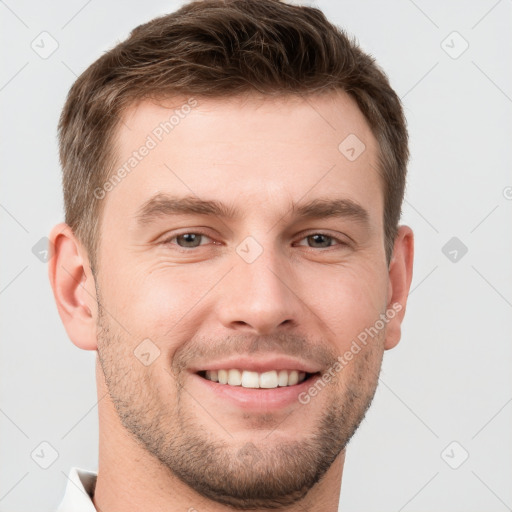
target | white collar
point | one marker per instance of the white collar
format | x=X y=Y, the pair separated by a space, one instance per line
x=79 y=491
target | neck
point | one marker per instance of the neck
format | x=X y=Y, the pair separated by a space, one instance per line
x=131 y=479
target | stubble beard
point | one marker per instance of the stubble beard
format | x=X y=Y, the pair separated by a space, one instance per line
x=241 y=474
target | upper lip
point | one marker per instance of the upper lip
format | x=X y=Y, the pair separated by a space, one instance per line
x=258 y=364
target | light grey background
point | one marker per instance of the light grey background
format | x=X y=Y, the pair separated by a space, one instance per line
x=448 y=380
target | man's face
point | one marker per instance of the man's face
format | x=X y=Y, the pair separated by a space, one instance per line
x=275 y=284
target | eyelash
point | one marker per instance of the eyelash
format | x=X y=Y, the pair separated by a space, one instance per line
x=169 y=240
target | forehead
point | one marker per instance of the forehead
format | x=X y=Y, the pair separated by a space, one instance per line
x=245 y=150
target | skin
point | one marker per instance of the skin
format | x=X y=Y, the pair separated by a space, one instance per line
x=298 y=297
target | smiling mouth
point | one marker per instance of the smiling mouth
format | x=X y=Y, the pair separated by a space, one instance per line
x=256 y=380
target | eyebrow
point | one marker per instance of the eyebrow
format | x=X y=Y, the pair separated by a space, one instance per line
x=162 y=205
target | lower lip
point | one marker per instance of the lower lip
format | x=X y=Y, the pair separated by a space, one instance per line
x=257 y=399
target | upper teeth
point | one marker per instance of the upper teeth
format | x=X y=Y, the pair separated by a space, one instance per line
x=248 y=379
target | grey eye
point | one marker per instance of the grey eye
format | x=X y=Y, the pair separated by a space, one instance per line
x=189 y=239
x=319 y=240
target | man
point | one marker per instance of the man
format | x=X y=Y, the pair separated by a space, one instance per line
x=233 y=179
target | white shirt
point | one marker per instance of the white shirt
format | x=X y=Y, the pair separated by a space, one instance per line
x=79 y=491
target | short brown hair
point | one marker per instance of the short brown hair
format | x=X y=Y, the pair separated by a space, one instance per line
x=221 y=48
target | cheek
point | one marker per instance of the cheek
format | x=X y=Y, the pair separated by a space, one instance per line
x=157 y=302
x=349 y=301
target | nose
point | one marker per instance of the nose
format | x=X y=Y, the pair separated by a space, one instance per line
x=259 y=297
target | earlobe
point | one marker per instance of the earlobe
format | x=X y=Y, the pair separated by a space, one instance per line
x=73 y=287
x=400 y=277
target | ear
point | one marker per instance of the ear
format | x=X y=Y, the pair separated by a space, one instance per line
x=73 y=287
x=400 y=277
